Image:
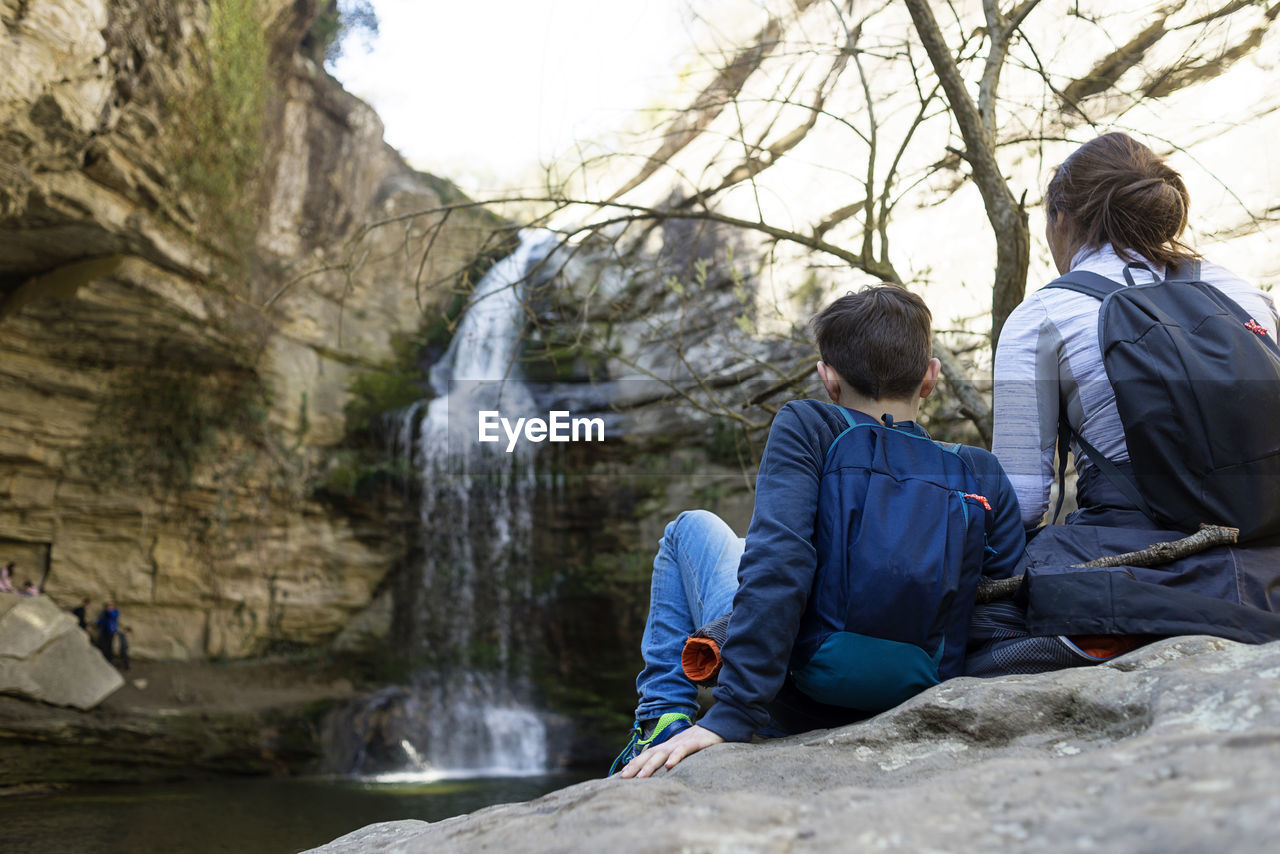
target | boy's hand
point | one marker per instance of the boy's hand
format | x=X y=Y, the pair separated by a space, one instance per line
x=670 y=752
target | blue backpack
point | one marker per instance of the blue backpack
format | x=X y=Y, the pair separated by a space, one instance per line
x=900 y=537
x=1197 y=386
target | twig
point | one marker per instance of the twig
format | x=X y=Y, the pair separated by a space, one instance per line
x=1209 y=536
x=782 y=385
x=1157 y=553
x=991 y=589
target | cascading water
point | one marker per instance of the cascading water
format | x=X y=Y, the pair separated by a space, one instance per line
x=467 y=712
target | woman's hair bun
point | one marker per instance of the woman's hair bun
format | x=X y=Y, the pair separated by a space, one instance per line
x=1116 y=190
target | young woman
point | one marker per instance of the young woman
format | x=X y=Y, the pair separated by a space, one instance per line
x=1113 y=207
x=1110 y=204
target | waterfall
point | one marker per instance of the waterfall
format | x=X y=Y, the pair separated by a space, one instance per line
x=472 y=611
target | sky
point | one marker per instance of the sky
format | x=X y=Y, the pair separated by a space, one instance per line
x=483 y=91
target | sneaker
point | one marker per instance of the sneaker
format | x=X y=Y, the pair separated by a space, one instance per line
x=649 y=733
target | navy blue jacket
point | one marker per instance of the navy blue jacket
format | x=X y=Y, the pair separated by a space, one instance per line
x=108 y=620
x=776 y=573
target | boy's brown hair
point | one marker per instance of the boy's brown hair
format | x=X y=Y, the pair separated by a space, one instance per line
x=878 y=340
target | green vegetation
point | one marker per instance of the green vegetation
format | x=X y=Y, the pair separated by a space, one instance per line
x=593 y=582
x=729 y=443
x=335 y=24
x=362 y=464
x=563 y=357
x=379 y=391
x=159 y=423
x=400 y=382
x=325 y=34
x=594 y=620
x=216 y=133
x=355 y=472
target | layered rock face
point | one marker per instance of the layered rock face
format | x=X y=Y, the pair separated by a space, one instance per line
x=179 y=327
x=1170 y=748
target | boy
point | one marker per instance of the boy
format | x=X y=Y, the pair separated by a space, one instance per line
x=863 y=532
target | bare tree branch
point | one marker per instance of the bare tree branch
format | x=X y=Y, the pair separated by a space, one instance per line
x=728 y=82
x=1000 y=30
x=1109 y=69
x=1191 y=70
x=1007 y=217
x=764 y=157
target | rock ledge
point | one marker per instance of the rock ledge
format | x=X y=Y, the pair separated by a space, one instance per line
x=1175 y=747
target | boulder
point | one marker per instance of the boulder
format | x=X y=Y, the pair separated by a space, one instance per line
x=1173 y=747
x=44 y=655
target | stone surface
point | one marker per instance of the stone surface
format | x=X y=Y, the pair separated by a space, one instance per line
x=1175 y=747
x=45 y=656
x=174 y=720
x=369 y=629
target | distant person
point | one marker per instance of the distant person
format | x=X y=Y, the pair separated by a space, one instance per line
x=81 y=613
x=107 y=623
x=29 y=589
x=6 y=578
x=124 y=648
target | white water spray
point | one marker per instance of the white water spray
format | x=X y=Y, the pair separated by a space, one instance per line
x=477 y=520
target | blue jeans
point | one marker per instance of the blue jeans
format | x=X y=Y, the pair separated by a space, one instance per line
x=695 y=575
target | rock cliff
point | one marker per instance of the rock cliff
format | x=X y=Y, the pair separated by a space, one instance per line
x=1171 y=748
x=189 y=283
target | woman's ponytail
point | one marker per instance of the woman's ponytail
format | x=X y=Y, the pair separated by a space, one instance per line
x=1116 y=190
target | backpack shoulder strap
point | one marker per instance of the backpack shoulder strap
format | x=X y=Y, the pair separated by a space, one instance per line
x=1084 y=282
x=1126 y=486
x=1187 y=271
x=848 y=420
x=1099 y=287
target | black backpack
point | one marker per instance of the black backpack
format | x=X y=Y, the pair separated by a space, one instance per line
x=1197 y=386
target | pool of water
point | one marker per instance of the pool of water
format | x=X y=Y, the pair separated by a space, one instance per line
x=240 y=816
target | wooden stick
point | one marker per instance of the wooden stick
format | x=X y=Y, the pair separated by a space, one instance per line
x=1209 y=536
x=1155 y=554
x=991 y=589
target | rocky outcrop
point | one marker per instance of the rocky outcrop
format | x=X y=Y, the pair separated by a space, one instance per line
x=175 y=720
x=184 y=304
x=1172 y=747
x=59 y=746
x=45 y=656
